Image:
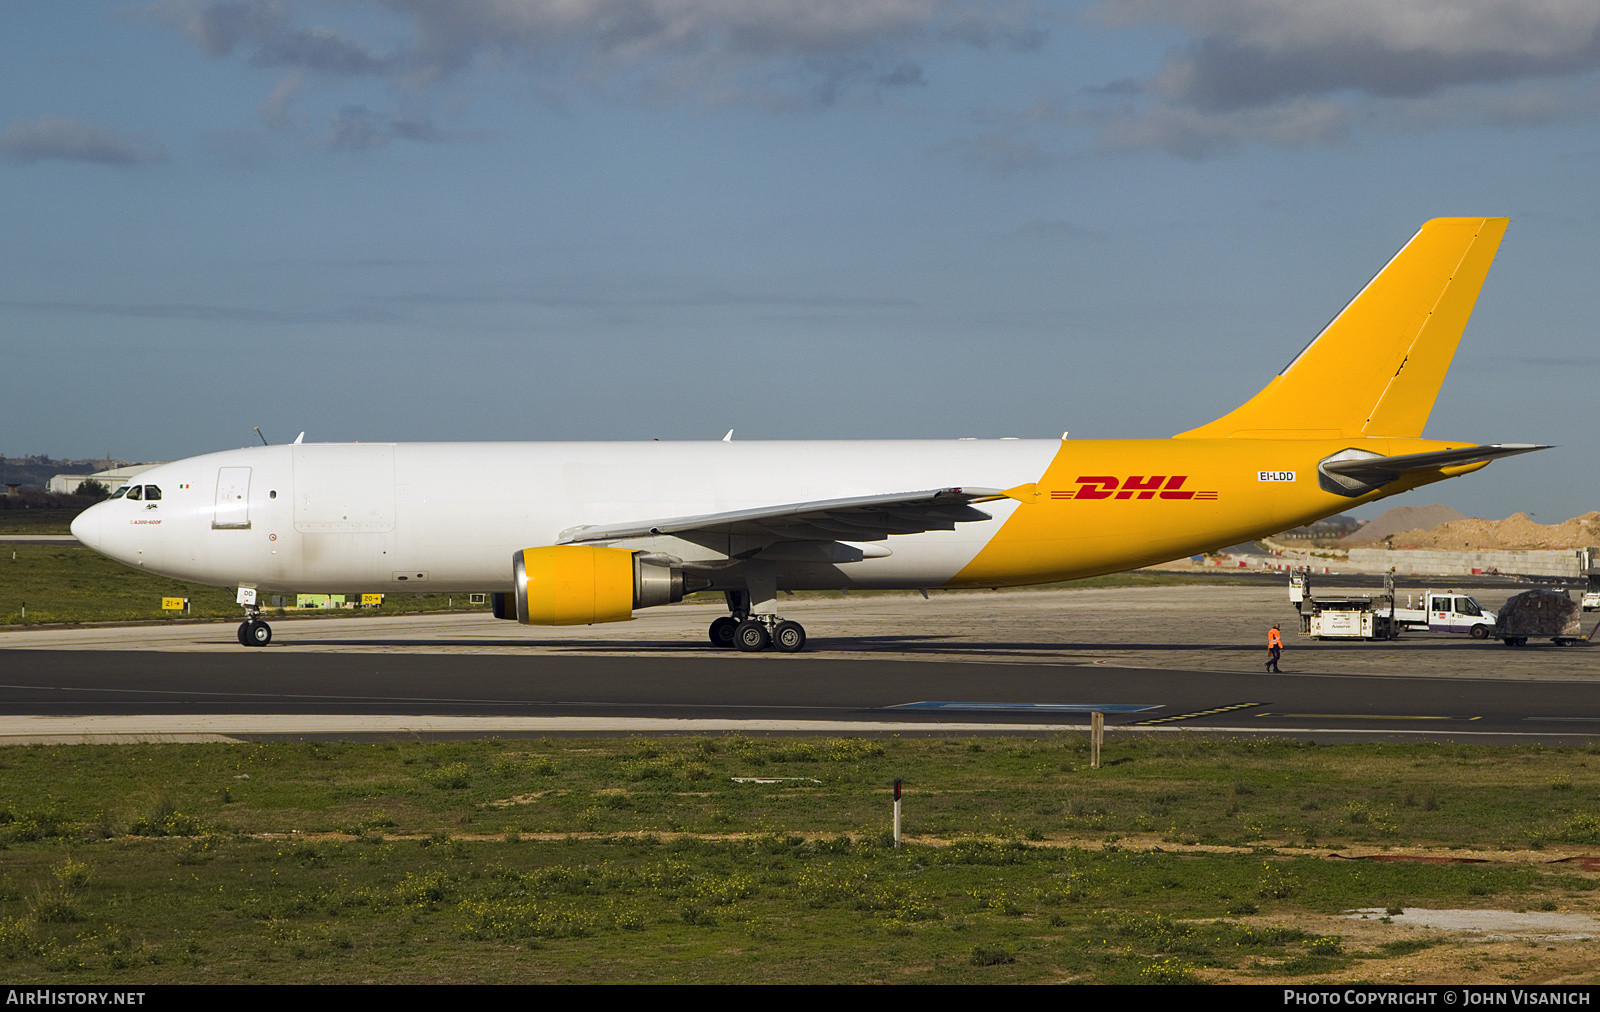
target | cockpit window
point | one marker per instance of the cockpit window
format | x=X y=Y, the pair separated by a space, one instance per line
x=119 y=493
x=152 y=492
x=135 y=492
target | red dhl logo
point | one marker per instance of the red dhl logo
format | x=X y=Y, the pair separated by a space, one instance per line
x=1100 y=486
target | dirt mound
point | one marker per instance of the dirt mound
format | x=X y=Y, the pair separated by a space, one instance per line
x=1514 y=532
x=1404 y=518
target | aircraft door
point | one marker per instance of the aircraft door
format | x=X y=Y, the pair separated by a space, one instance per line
x=233 y=499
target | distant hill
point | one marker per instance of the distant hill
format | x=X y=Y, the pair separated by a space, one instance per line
x=1516 y=531
x=1404 y=518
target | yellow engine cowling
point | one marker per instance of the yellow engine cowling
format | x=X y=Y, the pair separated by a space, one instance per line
x=585 y=584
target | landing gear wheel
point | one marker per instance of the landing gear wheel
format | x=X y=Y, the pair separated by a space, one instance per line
x=255 y=634
x=722 y=631
x=790 y=637
x=751 y=636
x=244 y=633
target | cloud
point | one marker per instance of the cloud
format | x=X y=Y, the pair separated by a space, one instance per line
x=1197 y=133
x=266 y=28
x=711 y=299
x=70 y=140
x=1006 y=149
x=358 y=128
x=1293 y=72
x=195 y=311
x=711 y=50
x=274 y=109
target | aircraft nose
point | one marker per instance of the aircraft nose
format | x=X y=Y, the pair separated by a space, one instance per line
x=86 y=526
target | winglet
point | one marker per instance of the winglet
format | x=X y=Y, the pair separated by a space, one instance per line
x=1376 y=369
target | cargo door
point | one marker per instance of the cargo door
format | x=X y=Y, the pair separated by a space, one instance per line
x=233 y=499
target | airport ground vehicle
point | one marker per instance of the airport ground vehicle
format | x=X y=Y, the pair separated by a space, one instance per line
x=1447 y=611
x=1380 y=616
x=579 y=533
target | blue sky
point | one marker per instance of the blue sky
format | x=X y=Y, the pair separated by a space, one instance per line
x=619 y=219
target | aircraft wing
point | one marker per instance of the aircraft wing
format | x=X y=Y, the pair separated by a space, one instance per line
x=862 y=518
x=1375 y=470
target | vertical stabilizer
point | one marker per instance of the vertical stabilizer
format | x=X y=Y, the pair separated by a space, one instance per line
x=1377 y=368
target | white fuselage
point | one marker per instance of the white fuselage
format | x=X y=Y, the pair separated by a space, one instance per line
x=332 y=517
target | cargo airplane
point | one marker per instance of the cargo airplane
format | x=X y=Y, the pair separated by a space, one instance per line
x=580 y=533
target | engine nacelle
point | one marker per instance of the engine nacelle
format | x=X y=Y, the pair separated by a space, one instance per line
x=586 y=584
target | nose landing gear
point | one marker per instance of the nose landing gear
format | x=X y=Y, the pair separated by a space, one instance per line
x=253 y=632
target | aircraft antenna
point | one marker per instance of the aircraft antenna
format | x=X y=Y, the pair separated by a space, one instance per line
x=263 y=438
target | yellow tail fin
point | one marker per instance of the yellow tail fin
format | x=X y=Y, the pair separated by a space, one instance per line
x=1376 y=369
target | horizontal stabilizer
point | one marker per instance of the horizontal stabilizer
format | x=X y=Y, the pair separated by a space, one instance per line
x=1356 y=472
x=862 y=518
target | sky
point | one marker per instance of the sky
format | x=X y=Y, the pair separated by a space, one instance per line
x=799 y=219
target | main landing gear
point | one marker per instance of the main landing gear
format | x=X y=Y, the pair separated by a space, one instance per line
x=753 y=633
x=253 y=632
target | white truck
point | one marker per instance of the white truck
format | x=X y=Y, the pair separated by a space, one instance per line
x=1380 y=618
x=1446 y=611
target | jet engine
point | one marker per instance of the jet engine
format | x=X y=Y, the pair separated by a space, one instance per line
x=585 y=584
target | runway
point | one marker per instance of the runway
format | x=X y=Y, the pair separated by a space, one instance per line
x=68 y=695
x=1156 y=660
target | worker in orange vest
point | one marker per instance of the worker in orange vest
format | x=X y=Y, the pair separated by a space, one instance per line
x=1274 y=649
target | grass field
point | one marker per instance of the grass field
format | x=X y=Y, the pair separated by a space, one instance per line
x=643 y=860
x=37 y=521
x=70 y=583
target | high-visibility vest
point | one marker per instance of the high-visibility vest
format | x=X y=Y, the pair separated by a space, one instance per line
x=1274 y=639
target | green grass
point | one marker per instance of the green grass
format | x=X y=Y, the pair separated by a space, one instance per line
x=69 y=583
x=641 y=860
x=44 y=521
